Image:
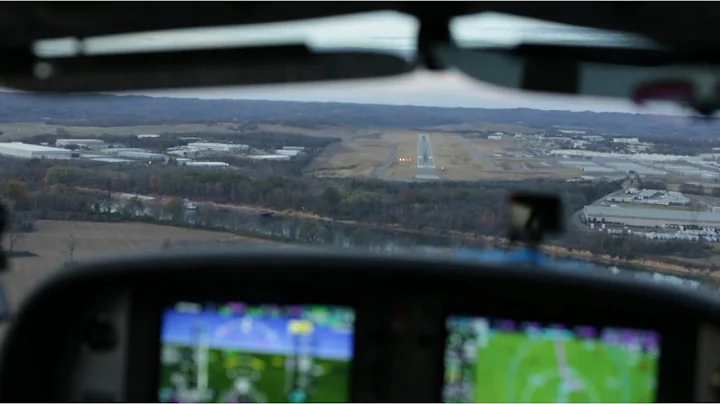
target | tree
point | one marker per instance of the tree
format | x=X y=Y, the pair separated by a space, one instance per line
x=13 y=239
x=62 y=132
x=71 y=247
x=133 y=206
x=331 y=196
x=18 y=194
x=175 y=208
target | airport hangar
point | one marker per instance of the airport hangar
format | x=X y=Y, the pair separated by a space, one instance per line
x=648 y=217
x=29 y=151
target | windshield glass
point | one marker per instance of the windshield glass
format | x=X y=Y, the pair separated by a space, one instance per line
x=416 y=164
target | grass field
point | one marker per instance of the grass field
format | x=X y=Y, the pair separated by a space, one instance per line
x=513 y=368
x=269 y=384
x=50 y=242
x=493 y=146
x=358 y=156
x=451 y=153
x=351 y=158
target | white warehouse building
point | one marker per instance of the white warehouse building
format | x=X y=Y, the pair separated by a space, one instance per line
x=217 y=164
x=29 y=151
x=142 y=155
x=224 y=147
x=648 y=217
x=285 y=152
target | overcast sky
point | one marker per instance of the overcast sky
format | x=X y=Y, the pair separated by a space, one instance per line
x=382 y=30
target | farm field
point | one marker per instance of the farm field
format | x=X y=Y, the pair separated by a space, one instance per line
x=50 y=242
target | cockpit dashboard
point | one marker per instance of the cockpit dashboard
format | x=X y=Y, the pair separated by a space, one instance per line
x=318 y=326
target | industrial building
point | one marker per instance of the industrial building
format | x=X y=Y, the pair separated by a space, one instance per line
x=621 y=156
x=270 y=157
x=213 y=164
x=84 y=143
x=112 y=160
x=285 y=152
x=117 y=150
x=183 y=152
x=220 y=147
x=29 y=151
x=648 y=217
x=141 y=155
x=650 y=196
x=626 y=140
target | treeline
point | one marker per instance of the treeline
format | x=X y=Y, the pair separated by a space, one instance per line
x=699 y=189
x=443 y=206
x=684 y=146
x=45 y=189
x=629 y=248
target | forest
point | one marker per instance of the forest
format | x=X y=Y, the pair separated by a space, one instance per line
x=45 y=189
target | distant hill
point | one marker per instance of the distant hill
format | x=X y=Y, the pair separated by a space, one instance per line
x=116 y=110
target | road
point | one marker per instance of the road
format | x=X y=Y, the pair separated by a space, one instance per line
x=426 y=161
x=484 y=160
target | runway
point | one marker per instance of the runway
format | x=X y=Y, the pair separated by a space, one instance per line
x=425 y=169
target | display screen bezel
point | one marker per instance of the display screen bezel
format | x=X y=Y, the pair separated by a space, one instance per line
x=678 y=341
x=205 y=304
x=496 y=325
x=143 y=379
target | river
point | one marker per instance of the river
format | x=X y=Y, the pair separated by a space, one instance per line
x=342 y=235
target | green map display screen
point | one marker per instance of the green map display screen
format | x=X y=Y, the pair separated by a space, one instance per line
x=505 y=361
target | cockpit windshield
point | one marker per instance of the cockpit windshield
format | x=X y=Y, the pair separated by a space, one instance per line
x=420 y=164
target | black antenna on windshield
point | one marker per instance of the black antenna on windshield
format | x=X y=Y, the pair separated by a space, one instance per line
x=532 y=217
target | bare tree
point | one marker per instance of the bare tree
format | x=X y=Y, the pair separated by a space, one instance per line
x=71 y=247
x=13 y=239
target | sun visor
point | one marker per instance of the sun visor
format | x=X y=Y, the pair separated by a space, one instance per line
x=196 y=68
x=568 y=76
